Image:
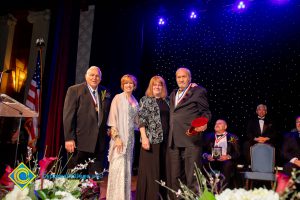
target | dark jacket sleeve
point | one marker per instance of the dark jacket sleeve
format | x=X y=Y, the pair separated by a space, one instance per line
x=290 y=148
x=69 y=114
x=203 y=104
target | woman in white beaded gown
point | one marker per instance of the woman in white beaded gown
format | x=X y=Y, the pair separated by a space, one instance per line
x=123 y=120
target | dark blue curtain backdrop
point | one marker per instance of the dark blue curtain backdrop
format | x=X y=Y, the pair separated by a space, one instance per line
x=59 y=74
x=117 y=48
x=117 y=43
x=243 y=59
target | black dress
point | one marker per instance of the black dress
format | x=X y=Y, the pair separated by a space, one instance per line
x=152 y=163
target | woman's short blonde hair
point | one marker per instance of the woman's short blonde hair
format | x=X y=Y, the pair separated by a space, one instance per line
x=160 y=80
x=128 y=78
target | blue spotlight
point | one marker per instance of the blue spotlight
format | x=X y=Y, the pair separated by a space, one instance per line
x=193 y=15
x=161 y=21
x=241 y=5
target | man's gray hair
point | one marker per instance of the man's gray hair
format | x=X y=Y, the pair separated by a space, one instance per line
x=261 y=106
x=187 y=70
x=94 y=67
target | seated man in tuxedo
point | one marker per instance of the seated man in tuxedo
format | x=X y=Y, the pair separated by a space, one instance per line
x=230 y=150
x=259 y=130
x=291 y=149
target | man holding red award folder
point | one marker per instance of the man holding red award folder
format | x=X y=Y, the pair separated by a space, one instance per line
x=189 y=115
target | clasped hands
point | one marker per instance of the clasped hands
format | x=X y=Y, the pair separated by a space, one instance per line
x=261 y=139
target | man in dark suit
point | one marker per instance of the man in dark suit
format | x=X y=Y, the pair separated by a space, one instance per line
x=230 y=151
x=186 y=104
x=84 y=117
x=291 y=149
x=259 y=130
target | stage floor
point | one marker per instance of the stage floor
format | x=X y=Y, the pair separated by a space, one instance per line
x=103 y=186
x=239 y=183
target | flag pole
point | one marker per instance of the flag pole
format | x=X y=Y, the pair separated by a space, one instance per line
x=40 y=45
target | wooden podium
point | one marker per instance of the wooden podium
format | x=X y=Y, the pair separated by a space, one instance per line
x=9 y=107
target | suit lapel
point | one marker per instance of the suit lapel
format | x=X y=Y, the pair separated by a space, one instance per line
x=185 y=98
x=258 y=126
x=212 y=140
x=100 y=98
x=267 y=125
x=228 y=136
x=172 y=101
x=101 y=106
x=88 y=94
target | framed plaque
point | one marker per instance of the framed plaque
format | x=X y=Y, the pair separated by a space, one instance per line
x=216 y=152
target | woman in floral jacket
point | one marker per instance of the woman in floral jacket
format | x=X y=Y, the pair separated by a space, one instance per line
x=154 y=128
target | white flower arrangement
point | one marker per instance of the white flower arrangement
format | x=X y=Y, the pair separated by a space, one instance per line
x=47 y=184
x=242 y=194
x=212 y=188
x=53 y=184
x=17 y=193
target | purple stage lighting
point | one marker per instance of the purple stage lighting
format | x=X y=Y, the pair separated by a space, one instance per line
x=241 y=5
x=161 y=21
x=193 y=15
x=279 y=2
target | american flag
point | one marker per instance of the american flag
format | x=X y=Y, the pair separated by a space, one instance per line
x=33 y=102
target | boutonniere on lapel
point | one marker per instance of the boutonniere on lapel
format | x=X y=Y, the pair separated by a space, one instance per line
x=104 y=95
x=233 y=140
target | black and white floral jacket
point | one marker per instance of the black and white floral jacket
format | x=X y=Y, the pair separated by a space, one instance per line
x=149 y=117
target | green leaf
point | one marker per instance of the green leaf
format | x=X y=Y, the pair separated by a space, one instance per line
x=42 y=194
x=31 y=193
x=207 y=195
x=76 y=193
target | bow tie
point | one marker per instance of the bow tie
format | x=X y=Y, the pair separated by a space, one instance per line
x=261 y=118
x=218 y=136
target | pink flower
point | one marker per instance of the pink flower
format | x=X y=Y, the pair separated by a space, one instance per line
x=90 y=189
x=5 y=180
x=44 y=163
x=282 y=182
